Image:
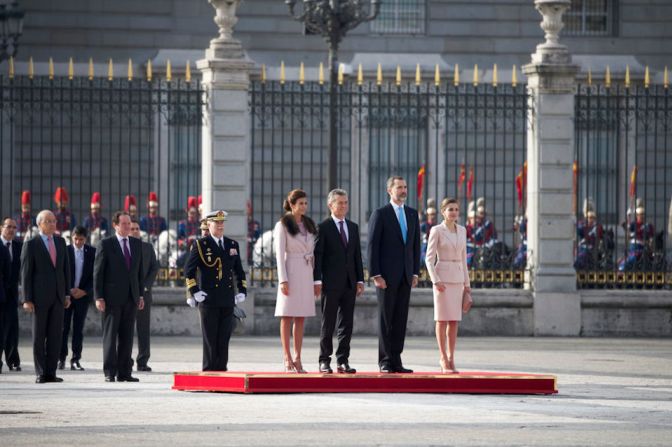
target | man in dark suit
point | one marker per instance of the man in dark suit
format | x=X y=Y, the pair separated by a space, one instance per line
x=10 y=333
x=339 y=278
x=45 y=274
x=5 y=273
x=217 y=258
x=394 y=266
x=81 y=257
x=150 y=267
x=117 y=282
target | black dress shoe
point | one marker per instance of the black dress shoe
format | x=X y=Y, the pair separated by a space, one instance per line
x=110 y=379
x=61 y=364
x=402 y=370
x=41 y=379
x=75 y=366
x=127 y=379
x=53 y=379
x=325 y=368
x=345 y=368
x=144 y=368
x=14 y=368
x=387 y=369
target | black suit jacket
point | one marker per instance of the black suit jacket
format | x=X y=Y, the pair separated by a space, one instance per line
x=42 y=282
x=15 y=276
x=336 y=266
x=111 y=279
x=5 y=275
x=388 y=255
x=150 y=268
x=86 y=281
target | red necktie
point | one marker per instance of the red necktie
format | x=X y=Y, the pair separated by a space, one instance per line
x=52 y=250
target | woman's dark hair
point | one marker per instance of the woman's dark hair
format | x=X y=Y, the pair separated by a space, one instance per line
x=288 y=220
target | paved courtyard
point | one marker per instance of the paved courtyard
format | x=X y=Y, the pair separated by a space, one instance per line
x=612 y=392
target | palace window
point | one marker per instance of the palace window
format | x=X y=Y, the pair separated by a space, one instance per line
x=591 y=18
x=400 y=17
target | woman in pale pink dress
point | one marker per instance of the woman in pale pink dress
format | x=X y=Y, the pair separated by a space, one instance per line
x=446 y=262
x=294 y=238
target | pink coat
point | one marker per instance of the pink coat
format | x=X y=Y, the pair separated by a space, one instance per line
x=294 y=258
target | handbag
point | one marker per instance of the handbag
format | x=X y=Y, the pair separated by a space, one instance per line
x=467 y=301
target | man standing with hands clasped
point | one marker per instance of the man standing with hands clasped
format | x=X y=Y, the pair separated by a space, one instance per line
x=45 y=273
x=218 y=259
x=394 y=266
x=118 y=285
x=339 y=278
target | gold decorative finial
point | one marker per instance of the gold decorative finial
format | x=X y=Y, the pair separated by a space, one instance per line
x=627 y=76
x=263 y=72
x=301 y=74
x=418 y=75
x=31 y=68
x=514 y=76
x=590 y=77
x=456 y=76
x=51 y=69
x=607 y=77
x=397 y=78
x=91 y=72
x=130 y=69
x=169 y=71
x=110 y=70
x=187 y=73
x=647 y=79
x=437 y=75
x=360 y=75
x=321 y=74
x=71 y=69
x=494 y=75
x=379 y=75
x=149 y=70
x=282 y=72
x=666 y=78
x=11 y=67
x=341 y=67
x=475 y=75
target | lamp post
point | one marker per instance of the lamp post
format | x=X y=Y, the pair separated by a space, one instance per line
x=11 y=28
x=333 y=19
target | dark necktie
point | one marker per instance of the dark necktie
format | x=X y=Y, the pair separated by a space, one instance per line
x=127 y=254
x=344 y=238
x=9 y=247
x=221 y=244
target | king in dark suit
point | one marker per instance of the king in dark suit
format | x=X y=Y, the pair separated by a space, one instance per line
x=118 y=285
x=81 y=257
x=10 y=332
x=339 y=276
x=394 y=266
x=217 y=258
x=45 y=273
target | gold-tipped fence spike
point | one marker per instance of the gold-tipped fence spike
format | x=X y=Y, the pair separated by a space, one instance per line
x=607 y=77
x=91 y=71
x=418 y=75
x=149 y=70
x=130 y=69
x=282 y=72
x=341 y=67
x=647 y=79
x=110 y=70
x=51 y=69
x=514 y=76
x=302 y=74
x=397 y=78
x=321 y=74
x=71 y=69
x=379 y=75
x=360 y=75
x=590 y=77
x=475 y=75
x=437 y=75
x=169 y=71
x=666 y=78
x=494 y=75
x=456 y=76
x=11 y=67
x=187 y=73
x=31 y=68
x=263 y=72
x=627 y=76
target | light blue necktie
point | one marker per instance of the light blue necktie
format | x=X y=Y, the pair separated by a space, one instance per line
x=402 y=222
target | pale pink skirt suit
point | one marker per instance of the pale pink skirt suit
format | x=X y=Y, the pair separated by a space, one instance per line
x=446 y=262
x=294 y=257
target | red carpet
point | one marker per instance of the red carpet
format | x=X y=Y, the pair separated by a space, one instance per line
x=470 y=382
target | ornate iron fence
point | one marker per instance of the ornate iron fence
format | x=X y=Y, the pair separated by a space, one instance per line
x=623 y=178
x=446 y=139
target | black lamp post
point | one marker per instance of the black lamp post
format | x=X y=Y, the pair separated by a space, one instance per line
x=333 y=19
x=11 y=28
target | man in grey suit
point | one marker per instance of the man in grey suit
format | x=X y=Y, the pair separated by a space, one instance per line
x=45 y=274
x=118 y=285
x=150 y=267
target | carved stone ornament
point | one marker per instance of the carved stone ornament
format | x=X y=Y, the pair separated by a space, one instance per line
x=551 y=51
x=225 y=46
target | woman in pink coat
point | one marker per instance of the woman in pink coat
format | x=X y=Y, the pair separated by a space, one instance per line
x=294 y=238
x=446 y=262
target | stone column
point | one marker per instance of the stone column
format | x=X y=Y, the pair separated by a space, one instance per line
x=551 y=86
x=225 y=168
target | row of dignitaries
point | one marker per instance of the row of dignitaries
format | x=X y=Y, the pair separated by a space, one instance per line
x=9 y=295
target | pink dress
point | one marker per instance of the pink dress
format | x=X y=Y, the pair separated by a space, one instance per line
x=294 y=256
x=446 y=262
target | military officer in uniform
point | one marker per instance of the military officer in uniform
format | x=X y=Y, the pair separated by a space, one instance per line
x=218 y=260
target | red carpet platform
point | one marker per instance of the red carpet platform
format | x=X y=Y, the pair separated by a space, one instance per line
x=367 y=382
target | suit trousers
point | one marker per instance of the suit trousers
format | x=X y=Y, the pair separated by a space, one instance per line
x=47 y=333
x=118 y=328
x=10 y=334
x=74 y=316
x=393 y=305
x=217 y=326
x=142 y=326
x=338 y=308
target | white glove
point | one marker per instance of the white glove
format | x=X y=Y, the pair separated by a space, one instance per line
x=240 y=298
x=200 y=296
x=191 y=302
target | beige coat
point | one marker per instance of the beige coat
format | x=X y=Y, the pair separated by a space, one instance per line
x=294 y=258
x=446 y=257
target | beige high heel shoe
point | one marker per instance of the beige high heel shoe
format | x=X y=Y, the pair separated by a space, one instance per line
x=289 y=366
x=451 y=367
x=299 y=367
x=443 y=363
